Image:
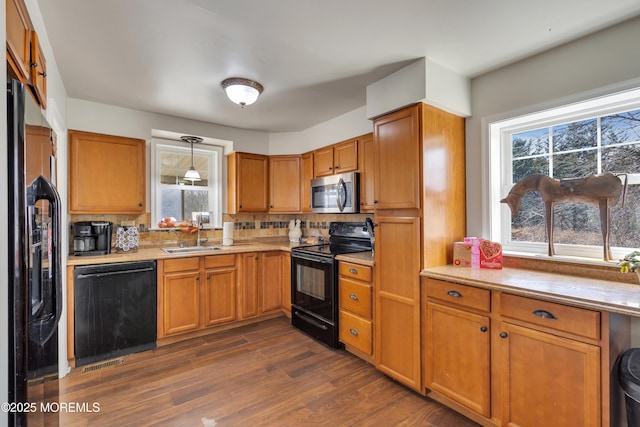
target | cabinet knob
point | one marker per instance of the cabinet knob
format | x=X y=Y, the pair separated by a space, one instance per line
x=375 y=201
x=42 y=74
x=353 y=297
x=353 y=332
x=483 y=329
x=503 y=335
x=197 y=277
x=330 y=168
x=240 y=206
x=208 y=276
x=34 y=64
x=337 y=167
x=139 y=204
x=271 y=206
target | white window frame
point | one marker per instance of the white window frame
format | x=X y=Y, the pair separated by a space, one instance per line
x=500 y=164
x=215 y=173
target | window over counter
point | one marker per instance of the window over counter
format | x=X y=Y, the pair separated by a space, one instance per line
x=587 y=138
x=172 y=195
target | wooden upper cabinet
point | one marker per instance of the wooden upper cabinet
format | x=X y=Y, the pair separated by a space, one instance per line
x=38 y=71
x=40 y=148
x=323 y=162
x=106 y=173
x=305 y=182
x=337 y=158
x=284 y=188
x=18 y=38
x=345 y=156
x=248 y=183
x=366 y=166
x=397 y=155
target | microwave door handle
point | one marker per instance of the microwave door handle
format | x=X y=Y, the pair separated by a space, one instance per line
x=341 y=194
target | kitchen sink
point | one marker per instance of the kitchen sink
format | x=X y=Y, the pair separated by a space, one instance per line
x=192 y=249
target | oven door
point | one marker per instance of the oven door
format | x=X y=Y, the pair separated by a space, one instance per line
x=314 y=307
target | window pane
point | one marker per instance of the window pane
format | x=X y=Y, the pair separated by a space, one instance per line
x=529 y=224
x=622 y=127
x=625 y=159
x=171 y=203
x=625 y=222
x=576 y=135
x=173 y=166
x=577 y=224
x=575 y=165
x=195 y=201
x=525 y=167
x=530 y=143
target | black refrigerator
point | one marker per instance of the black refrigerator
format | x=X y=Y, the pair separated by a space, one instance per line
x=35 y=293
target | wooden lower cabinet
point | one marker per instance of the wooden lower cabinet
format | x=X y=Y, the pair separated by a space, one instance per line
x=220 y=289
x=270 y=282
x=249 y=296
x=548 y=380
x=286 y=283
x=181 y=295
x=507 y=360
x=355 y=290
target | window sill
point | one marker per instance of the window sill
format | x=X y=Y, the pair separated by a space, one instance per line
x=574 y=266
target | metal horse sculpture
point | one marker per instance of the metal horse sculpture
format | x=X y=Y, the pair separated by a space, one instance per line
x=600 y=190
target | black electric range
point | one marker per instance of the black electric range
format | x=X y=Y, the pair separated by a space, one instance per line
x=314 y=279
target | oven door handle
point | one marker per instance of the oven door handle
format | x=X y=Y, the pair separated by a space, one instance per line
x=308 y=257
x=310 y=320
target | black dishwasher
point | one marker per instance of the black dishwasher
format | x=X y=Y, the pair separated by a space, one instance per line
x=114 y=309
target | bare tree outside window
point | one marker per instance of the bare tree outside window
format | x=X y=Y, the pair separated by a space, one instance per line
x=587 y=147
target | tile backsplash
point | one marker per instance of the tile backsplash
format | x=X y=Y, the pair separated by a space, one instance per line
x=246 y=226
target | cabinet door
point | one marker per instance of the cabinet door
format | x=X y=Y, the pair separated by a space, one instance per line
x=345 y=156
x=284 y=188
x=249 y=295
x=252 y=183
x=458 y=356
x=38 y=145
x=18 y=38
x=220 y=295
x=38 y=70
x=181 y=302
x=323 y=162
x=397 y=155
x=106 y=174
x=548 y=380
x=397 y=331
x=271 y=282
x=307 y=176
x=286 y=283
x=366 y=159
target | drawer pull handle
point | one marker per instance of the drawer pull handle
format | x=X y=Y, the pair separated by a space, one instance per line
x=353 y=332
x=454 y=294
x=483 y=329
x=353 y=271
x=353 y=297
x=503 y=335
x=544 y=314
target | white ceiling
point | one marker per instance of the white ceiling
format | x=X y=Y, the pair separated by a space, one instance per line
x=314 y=58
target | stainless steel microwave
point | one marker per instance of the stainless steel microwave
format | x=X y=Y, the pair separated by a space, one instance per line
x=336 y=193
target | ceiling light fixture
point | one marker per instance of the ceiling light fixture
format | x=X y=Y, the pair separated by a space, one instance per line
x=242 y=91
x=191 y=174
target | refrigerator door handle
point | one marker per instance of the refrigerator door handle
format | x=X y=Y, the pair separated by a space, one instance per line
x=42 y=189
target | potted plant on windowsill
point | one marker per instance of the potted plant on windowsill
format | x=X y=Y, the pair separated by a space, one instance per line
x=631 y=263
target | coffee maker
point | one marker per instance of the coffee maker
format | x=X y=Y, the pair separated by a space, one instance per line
x=92 y=237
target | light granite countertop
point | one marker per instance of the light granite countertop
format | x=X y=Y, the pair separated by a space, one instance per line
x=586 y=292
x=255 y=245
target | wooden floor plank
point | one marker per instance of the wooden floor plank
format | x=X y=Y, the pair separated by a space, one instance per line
x=263 y=374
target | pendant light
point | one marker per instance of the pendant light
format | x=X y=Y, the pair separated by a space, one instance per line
x=242 y=91
x=191 y=174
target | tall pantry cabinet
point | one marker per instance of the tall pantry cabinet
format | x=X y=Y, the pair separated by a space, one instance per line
x=419 y=212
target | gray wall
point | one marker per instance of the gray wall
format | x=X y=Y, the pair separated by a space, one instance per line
x=602 y=63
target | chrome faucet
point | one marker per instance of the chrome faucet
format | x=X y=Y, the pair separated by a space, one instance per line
x=199 y=240
x=180 y=242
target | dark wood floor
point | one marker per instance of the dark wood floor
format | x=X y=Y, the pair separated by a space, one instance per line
x=266 y=374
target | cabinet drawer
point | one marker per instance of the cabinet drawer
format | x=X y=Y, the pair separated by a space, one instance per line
x=578 y=321
x=356 y=332
x=355 y=271
x=355 y=297
x=181 y=264
x=214 y=261
x=462 y=295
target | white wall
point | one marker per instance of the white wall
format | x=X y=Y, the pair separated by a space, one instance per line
x=349 y=125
